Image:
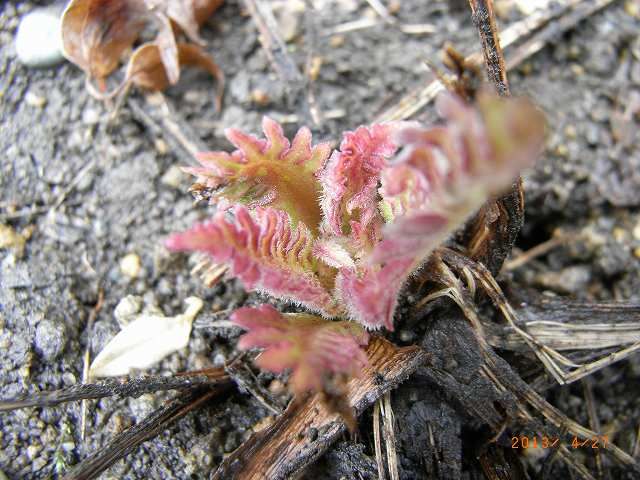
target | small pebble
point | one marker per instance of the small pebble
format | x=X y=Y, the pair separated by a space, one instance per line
x=130 y=265
x=315 y=67
x=90 y=116
x=38 y=40
x=161 y=146
x=174 y=177
x=632 y=7
x=407 y=335
x=289 y=18
x=336 y=41
x=219 y=359
x=572 y=279
x=33 y=450
x=276 y=387
x=574 y=52
x=562 y=150
x=592 y=135
x=50 y=339
x=260 y=97
x=127 y=309
x=570 y=132
x=9 y=238
x=35 y=100
x=619 y=234
x=577 y=70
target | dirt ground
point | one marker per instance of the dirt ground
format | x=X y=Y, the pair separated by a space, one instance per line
x=92 y=193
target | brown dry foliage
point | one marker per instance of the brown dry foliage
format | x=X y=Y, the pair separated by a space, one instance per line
x=97 y=34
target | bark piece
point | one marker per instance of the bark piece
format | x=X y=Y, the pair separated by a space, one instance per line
x=307 y=428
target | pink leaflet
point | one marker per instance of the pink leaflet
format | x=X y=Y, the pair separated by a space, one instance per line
x=310 y=346
x=444 y=174
x=270 y=171
x=263 y=251
x=413 y=237
x=350 y=178
x=371 y=294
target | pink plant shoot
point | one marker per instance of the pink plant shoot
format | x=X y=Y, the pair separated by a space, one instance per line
x=341 y=232
x=307 y=344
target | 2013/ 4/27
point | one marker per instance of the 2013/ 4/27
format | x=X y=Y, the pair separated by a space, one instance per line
x=524 y=441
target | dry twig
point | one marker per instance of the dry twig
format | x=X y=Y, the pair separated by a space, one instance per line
x=388 y=423
x=87 y=360
x=129 y=440
x=274 y=45
x=132 y=387
x=307 y=428
x=377 y=440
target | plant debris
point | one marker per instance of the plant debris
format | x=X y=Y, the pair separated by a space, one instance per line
x=145 y=341
x=96 y=34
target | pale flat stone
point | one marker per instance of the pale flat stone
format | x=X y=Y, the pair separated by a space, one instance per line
x=38 y=40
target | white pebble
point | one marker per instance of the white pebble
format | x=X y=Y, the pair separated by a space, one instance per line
x=174 y=177
x=127 y=309
x=35 y=100
x=38 y=41
x=130 y=265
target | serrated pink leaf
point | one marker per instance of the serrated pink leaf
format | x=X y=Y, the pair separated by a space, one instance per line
x=350 y=179
x=270 y=171
x=370 y=294
x=310 y=346
x=444 y=174
x=264 y=251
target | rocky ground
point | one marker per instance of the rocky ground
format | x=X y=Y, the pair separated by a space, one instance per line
x=84 y=193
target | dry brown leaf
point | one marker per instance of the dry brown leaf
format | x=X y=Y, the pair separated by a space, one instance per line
x=168 y=50
x=146 y=68
x=95 y=33
x=203 y=9
x=183 y=14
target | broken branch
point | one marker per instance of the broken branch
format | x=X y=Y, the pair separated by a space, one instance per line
x=133 y=387
x=307 y=428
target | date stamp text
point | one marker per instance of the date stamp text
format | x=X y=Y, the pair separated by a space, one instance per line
x=533 y=441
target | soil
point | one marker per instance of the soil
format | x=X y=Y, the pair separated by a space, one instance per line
x=92 y=191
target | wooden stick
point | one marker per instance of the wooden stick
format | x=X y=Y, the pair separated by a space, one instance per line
x=274 y=45
x=491 y=234
x=307 y=428
x=485 y=21
x=129 y=440
x=133 y=387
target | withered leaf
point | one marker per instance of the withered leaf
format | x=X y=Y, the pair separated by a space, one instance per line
x=145 y=341
x=168 y=50
x=203 y=9
x=95 y=33
x=147 y=70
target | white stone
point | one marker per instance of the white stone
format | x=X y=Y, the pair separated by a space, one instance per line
x=130 y=265
x=39 y=41
x=127 y=309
